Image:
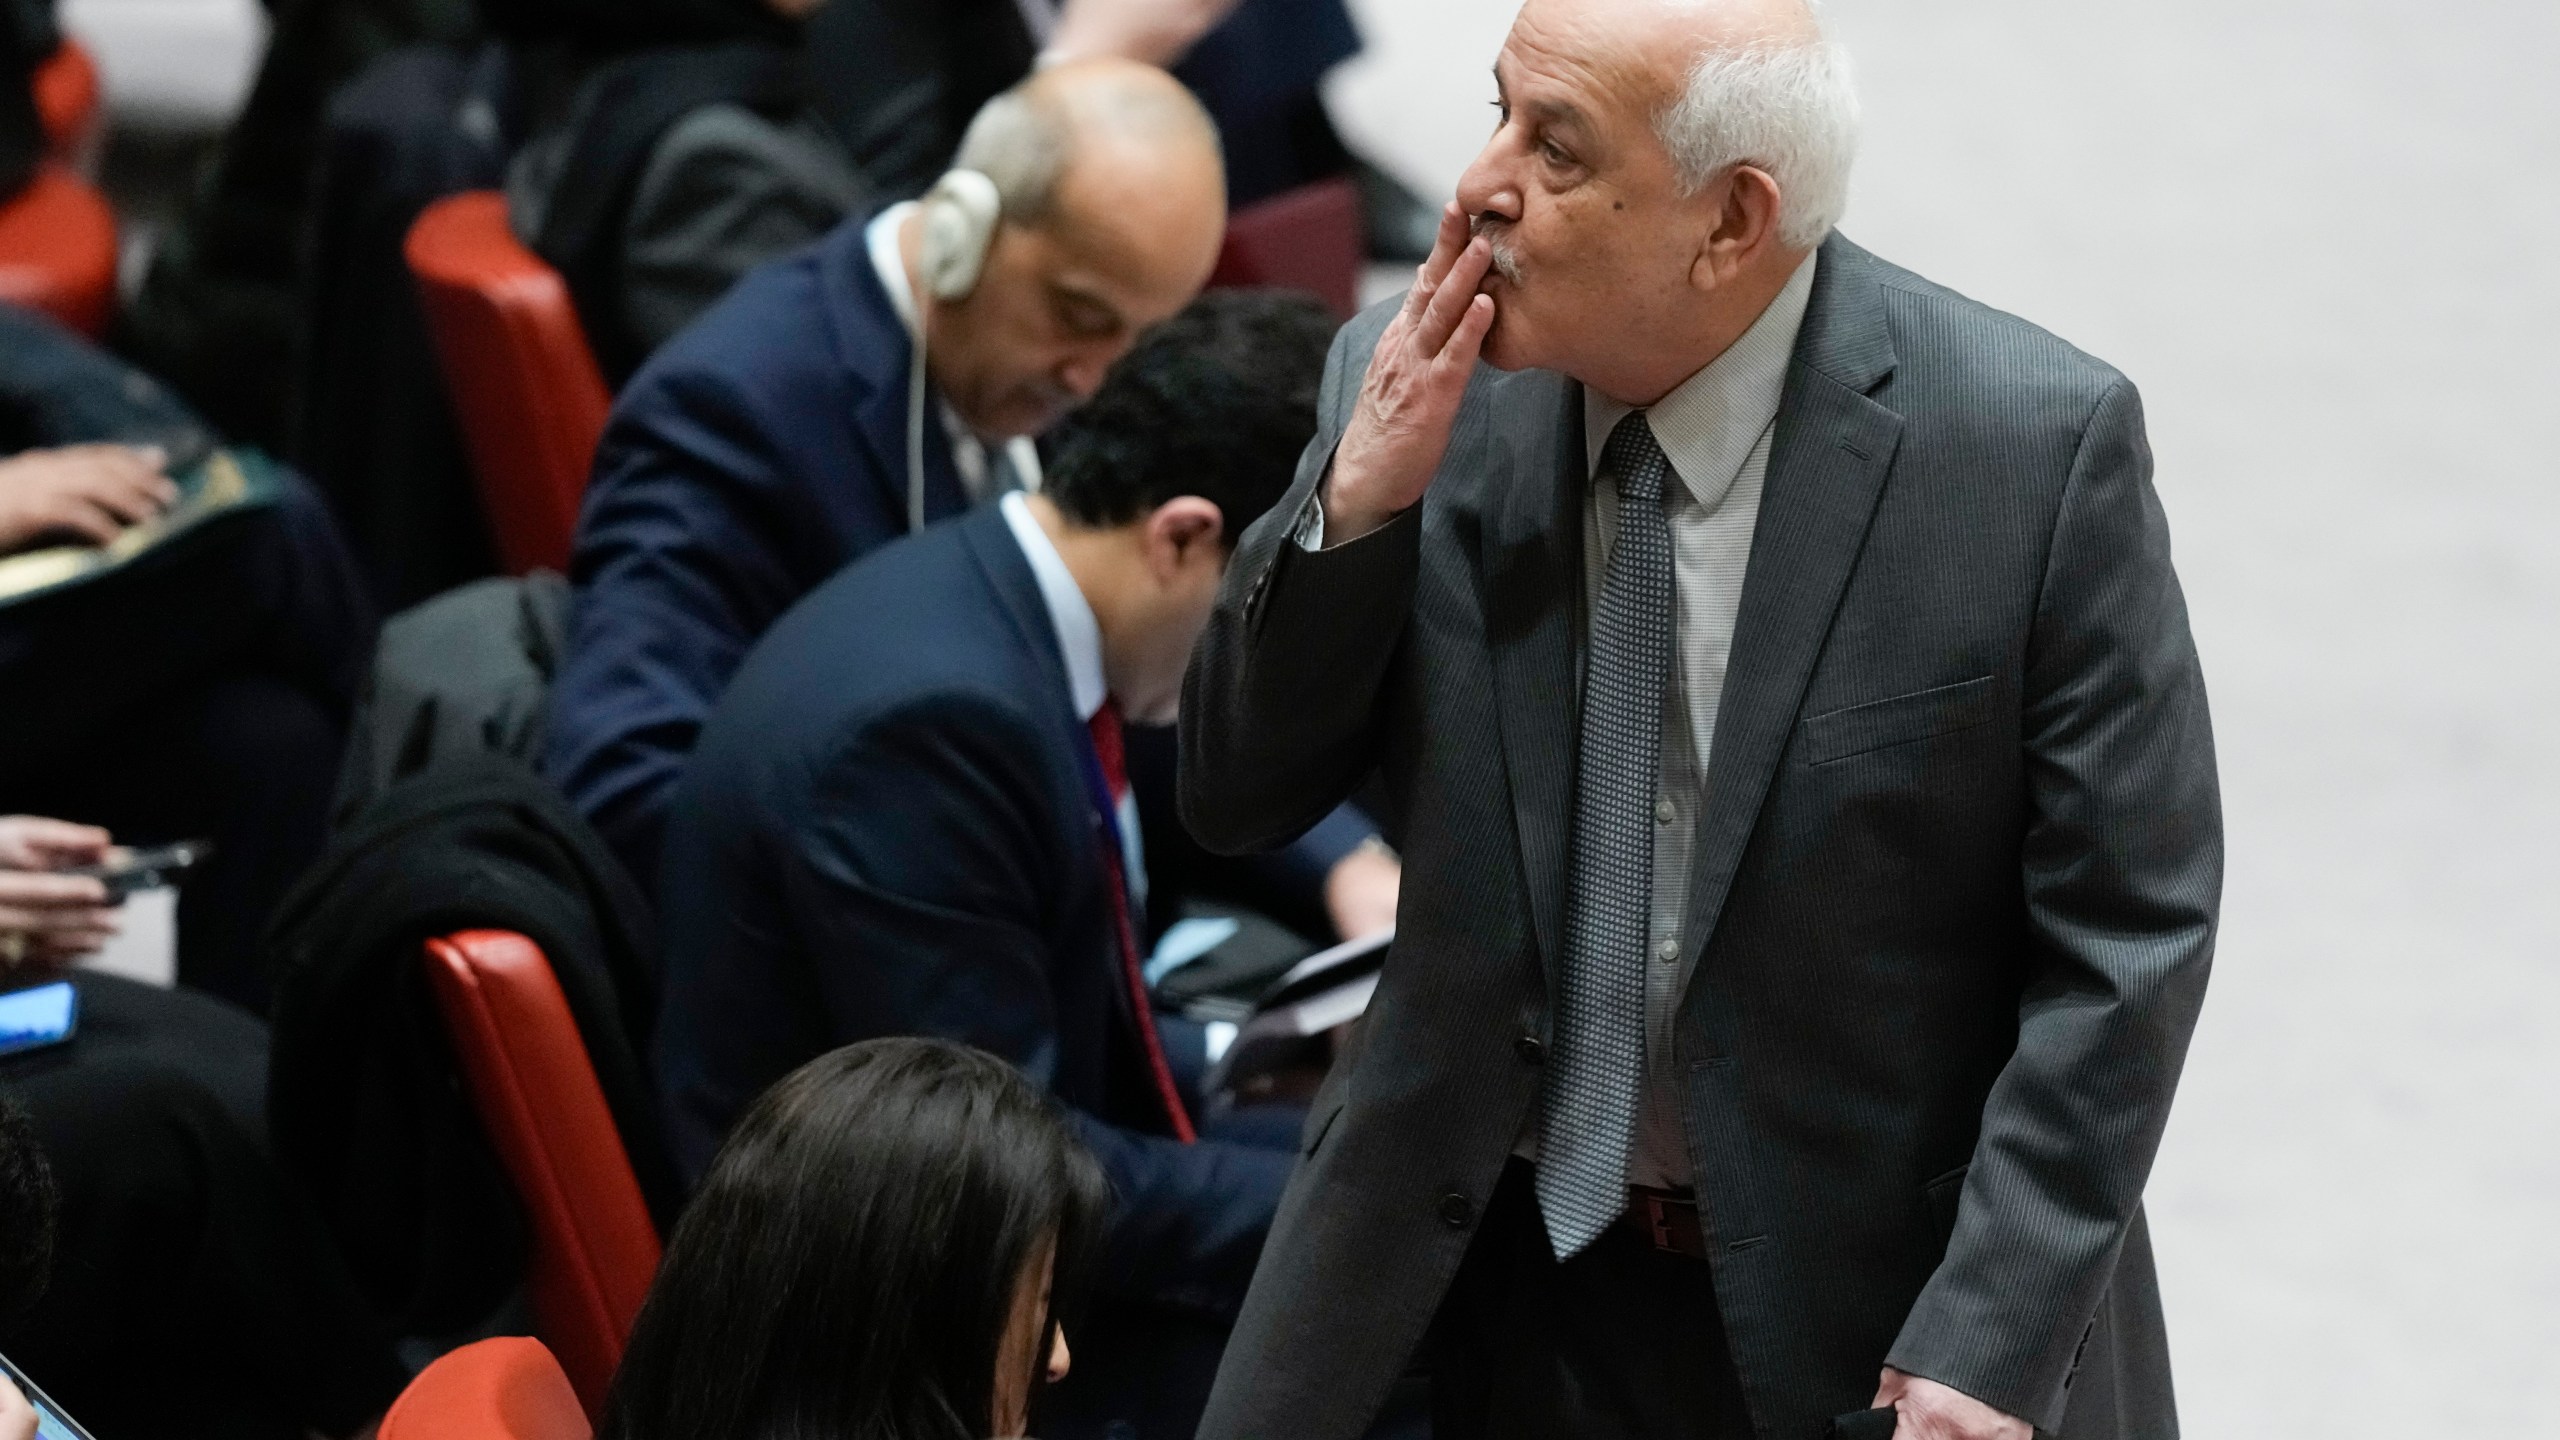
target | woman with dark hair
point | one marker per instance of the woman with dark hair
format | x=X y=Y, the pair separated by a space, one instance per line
x=881 y=1251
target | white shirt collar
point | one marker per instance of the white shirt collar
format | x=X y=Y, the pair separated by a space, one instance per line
x=889 y=261
x=1710 y=424
x=1070 y=614
x=968 y=452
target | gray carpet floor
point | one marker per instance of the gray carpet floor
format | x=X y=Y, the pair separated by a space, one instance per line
x=2324 y=238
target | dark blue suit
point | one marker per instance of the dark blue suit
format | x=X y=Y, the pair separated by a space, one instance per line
x=752 y=457
x=888 y=829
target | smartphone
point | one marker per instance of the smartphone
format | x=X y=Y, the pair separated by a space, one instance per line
x=146 y=869
x=38 y=1016
x=51 y=1423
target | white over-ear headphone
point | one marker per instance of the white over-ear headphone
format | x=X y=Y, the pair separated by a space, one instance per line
x=960 y=214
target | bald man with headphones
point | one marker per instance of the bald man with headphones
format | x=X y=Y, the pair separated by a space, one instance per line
x=888 y=376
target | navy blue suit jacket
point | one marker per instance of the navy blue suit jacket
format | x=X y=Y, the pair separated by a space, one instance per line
x=747 y=461
x=887 y=829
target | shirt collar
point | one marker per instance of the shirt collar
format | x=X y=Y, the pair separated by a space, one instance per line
x=889 y=261
x=1079 y=634
x=1709 y=425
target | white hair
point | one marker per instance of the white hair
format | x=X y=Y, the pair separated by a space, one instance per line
x=1786 y=106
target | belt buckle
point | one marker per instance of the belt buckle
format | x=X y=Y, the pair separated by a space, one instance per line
x=1657 y=1222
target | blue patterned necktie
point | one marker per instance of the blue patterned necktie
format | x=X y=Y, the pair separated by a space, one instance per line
x=1587 y=1110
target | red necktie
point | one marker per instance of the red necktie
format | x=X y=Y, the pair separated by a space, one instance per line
x=1108 y=749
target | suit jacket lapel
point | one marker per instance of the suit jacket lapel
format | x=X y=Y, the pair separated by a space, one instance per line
x=1530 y=579
x=1827 y=467
x=873 y=345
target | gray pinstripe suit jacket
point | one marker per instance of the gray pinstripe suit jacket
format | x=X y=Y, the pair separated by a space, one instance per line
x=1956 y=884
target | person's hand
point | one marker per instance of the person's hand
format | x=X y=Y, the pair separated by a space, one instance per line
x=1927 y=1410
x=1400 y=428
x=89 y=491
x=1360 y=891
x=49 y=919
x=17 y=1417
x=1156 y=32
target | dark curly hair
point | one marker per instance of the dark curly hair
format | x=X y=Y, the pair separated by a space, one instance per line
x=1218 y=402
x=27 y=1203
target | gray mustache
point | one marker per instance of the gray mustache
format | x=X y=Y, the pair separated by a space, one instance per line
x=1505 y=262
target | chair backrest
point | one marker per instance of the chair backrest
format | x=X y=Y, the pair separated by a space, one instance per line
x=66 y=93
x=524 y=381
x=595 y=1249
x=1310 y=239
x=58 y=250
x=508 y=1388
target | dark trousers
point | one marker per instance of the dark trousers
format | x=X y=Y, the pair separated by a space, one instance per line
x=194 y=1295
x=201 y=695
x=1622 y=1342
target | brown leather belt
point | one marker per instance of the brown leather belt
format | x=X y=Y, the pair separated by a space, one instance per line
x=1667 y=1219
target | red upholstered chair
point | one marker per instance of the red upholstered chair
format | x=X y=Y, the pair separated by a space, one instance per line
x=58 y=250
x=595 y=1248
x=523 y=379
x=508 y=1388
x=1310 y=239
x=66 y=94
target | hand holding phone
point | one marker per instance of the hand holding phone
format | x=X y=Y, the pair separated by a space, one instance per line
x=125 y=871
x=34 y=1416
x=17 y=1417
x=48 y=916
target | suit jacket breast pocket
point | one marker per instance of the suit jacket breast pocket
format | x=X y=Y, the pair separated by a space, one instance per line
x=1882 y=724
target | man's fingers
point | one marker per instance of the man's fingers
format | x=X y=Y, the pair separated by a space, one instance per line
x=1468 y=342
x=1446 y=246
x=1457 y=295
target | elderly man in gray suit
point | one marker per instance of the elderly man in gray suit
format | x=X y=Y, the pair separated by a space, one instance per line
x=1812 y=844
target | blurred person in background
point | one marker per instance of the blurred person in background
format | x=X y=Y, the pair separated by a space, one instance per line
x=223 y=299
x=672 y=148
x=887 y=1246
x=899 y=79
x=198 y=690
x=909 y=815
x=1787 y=1029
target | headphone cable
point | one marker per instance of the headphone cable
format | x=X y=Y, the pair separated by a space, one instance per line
x=915 y=428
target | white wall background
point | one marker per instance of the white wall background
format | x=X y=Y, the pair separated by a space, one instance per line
x=2324 y=237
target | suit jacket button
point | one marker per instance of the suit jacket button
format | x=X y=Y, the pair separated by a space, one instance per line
x=1456 y=1213
x=1530 y=1050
